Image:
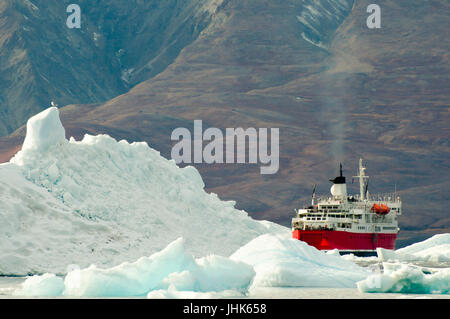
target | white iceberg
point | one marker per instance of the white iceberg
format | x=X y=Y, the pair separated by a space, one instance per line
x=267 y=261
x=281 y=261
x=46 y=285
x=400 y=276
x=436 y=240
x=44 y=130
x=100 y=201
x=406 y=278
x=435 y=249
x=169 y=273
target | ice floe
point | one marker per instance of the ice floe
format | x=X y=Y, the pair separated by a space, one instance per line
x=281 y=261
x=407 y=278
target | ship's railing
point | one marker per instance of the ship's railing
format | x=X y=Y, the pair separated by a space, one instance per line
x=381 y=197
x=298 y=223
x=385 y=197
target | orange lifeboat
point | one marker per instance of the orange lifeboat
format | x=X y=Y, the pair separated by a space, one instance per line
x=385 y=209
x=380 y=209
x=376 y=208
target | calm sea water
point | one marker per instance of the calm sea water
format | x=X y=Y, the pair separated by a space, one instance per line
x=333 y=293
x=9 y=284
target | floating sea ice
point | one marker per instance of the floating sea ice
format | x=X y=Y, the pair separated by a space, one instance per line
x=129 y=279
x=46 y=285
x=280 y=261
x=431 y=242
x=404 y=278
x=171 y=273
x=212 y=274
x=435 y=249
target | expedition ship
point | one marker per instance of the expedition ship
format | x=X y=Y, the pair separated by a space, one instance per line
x=351 y=224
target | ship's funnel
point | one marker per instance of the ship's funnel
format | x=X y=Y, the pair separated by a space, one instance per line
x=339 y=187
x=339 y=190
x=340 y=179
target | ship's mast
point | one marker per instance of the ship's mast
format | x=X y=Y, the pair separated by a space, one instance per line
x=313 y=196
x=362 y=179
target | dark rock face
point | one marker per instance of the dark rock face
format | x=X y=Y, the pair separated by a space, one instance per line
x=119 y=44
x=337 y=91
x=320 y=19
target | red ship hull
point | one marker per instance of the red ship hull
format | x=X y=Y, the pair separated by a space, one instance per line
x=345 y=241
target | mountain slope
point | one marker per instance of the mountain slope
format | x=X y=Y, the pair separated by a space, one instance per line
x=119 y=44
x=43 y=60
x=338 y=93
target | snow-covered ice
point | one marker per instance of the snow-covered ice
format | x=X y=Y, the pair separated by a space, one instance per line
x=281 y=261
x=267 y=261
x=170 y=272
x=435 y=249
x=407 y=278
x=434 y=241
x=100 y=201
x=44 y=130
x=400 y=275
x=46 y=285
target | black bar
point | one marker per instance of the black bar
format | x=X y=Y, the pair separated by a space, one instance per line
x=224 y=308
